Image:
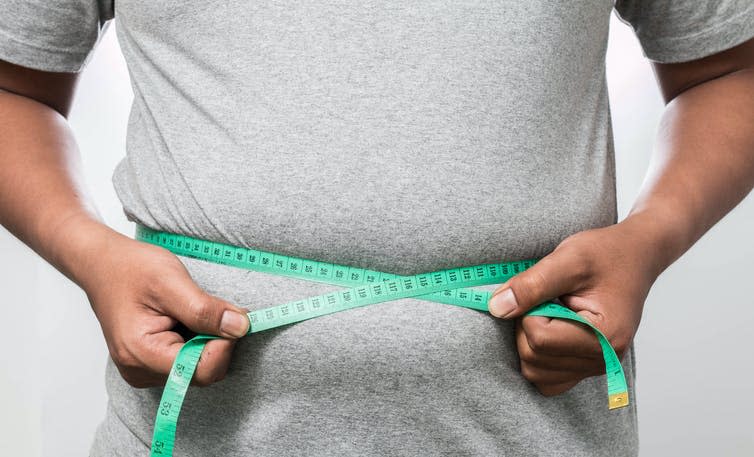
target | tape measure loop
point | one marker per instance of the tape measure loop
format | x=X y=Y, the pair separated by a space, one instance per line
x=362 y=287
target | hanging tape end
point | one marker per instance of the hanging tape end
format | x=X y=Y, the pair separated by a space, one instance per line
x=618 y=400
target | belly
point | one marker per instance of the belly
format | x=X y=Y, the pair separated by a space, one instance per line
x=405 y=377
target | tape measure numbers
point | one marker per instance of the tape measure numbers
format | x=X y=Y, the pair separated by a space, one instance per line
x=363 y=287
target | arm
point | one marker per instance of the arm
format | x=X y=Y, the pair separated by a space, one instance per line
x=703 y=166
x=704 y=163
x=137 y=291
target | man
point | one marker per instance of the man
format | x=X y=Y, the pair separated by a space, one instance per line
x=401 y=137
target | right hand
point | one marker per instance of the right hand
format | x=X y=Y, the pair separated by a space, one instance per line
x=139 y=293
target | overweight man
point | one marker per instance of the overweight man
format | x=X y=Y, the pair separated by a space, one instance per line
x=404 y=137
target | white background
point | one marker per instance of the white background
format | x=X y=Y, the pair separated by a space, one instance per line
x=695 y=372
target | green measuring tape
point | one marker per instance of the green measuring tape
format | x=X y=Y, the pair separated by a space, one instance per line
x=364 y=287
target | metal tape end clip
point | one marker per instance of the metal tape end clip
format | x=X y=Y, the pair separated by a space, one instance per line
x=618 y=400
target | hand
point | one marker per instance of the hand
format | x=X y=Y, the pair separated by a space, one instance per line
x=604 y=275
x=139 y=293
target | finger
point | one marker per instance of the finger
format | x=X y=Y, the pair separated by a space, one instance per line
x=161 y=349
x=549 y=390
x=158 y=352
x=560 y=337
x=202 y=312
x=141 y=378
x=214 y=362
x=557 y=274
x=555 y=362
x=537 y=375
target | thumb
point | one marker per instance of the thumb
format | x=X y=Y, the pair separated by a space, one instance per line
x=205 y=313
x=556 y=274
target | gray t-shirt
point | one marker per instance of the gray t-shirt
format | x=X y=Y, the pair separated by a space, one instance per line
x=398 y=136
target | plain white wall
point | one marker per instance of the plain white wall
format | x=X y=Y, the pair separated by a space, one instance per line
x=693 y=348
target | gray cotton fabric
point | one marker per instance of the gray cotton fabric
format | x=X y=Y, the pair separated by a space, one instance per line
x=399 y=136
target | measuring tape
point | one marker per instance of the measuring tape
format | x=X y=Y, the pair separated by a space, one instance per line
x=363 y=287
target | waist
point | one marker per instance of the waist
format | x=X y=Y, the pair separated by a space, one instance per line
x=389 y=218
x=377 y=340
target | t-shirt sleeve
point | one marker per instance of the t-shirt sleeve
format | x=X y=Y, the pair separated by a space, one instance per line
x=52 y=35
x=673 y=31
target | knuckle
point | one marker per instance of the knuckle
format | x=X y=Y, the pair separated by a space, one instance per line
x=596 y=370
x=538 y=340
x=525 y=353
x=123 y=357
x=532 y=284
x=201 y=382
x=621 y=344
x=208 y=372
x=581 y=259
x=220 y=376
x=138 y=383
x=547 y=390
x=200 y=311
x=131 y=378
x=203 y=379
x=528 y=372
x=575 y=241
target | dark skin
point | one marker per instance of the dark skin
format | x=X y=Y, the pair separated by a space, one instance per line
x=702 y=167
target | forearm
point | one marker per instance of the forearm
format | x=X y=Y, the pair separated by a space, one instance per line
x=42 y=196
x=703 y=165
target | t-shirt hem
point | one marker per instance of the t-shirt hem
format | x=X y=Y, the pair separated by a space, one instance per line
x=40 y=58
x=711 y=40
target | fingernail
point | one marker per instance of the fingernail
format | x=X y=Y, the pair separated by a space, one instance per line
x=234 y=323
x=503 y=303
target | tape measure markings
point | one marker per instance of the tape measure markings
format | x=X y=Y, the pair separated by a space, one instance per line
x=444 y=286
x=328 y=273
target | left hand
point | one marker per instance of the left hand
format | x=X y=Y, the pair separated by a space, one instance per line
x=602 y=274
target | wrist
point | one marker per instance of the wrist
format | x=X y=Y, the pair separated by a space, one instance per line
x=661 y=233
x=78 y=245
